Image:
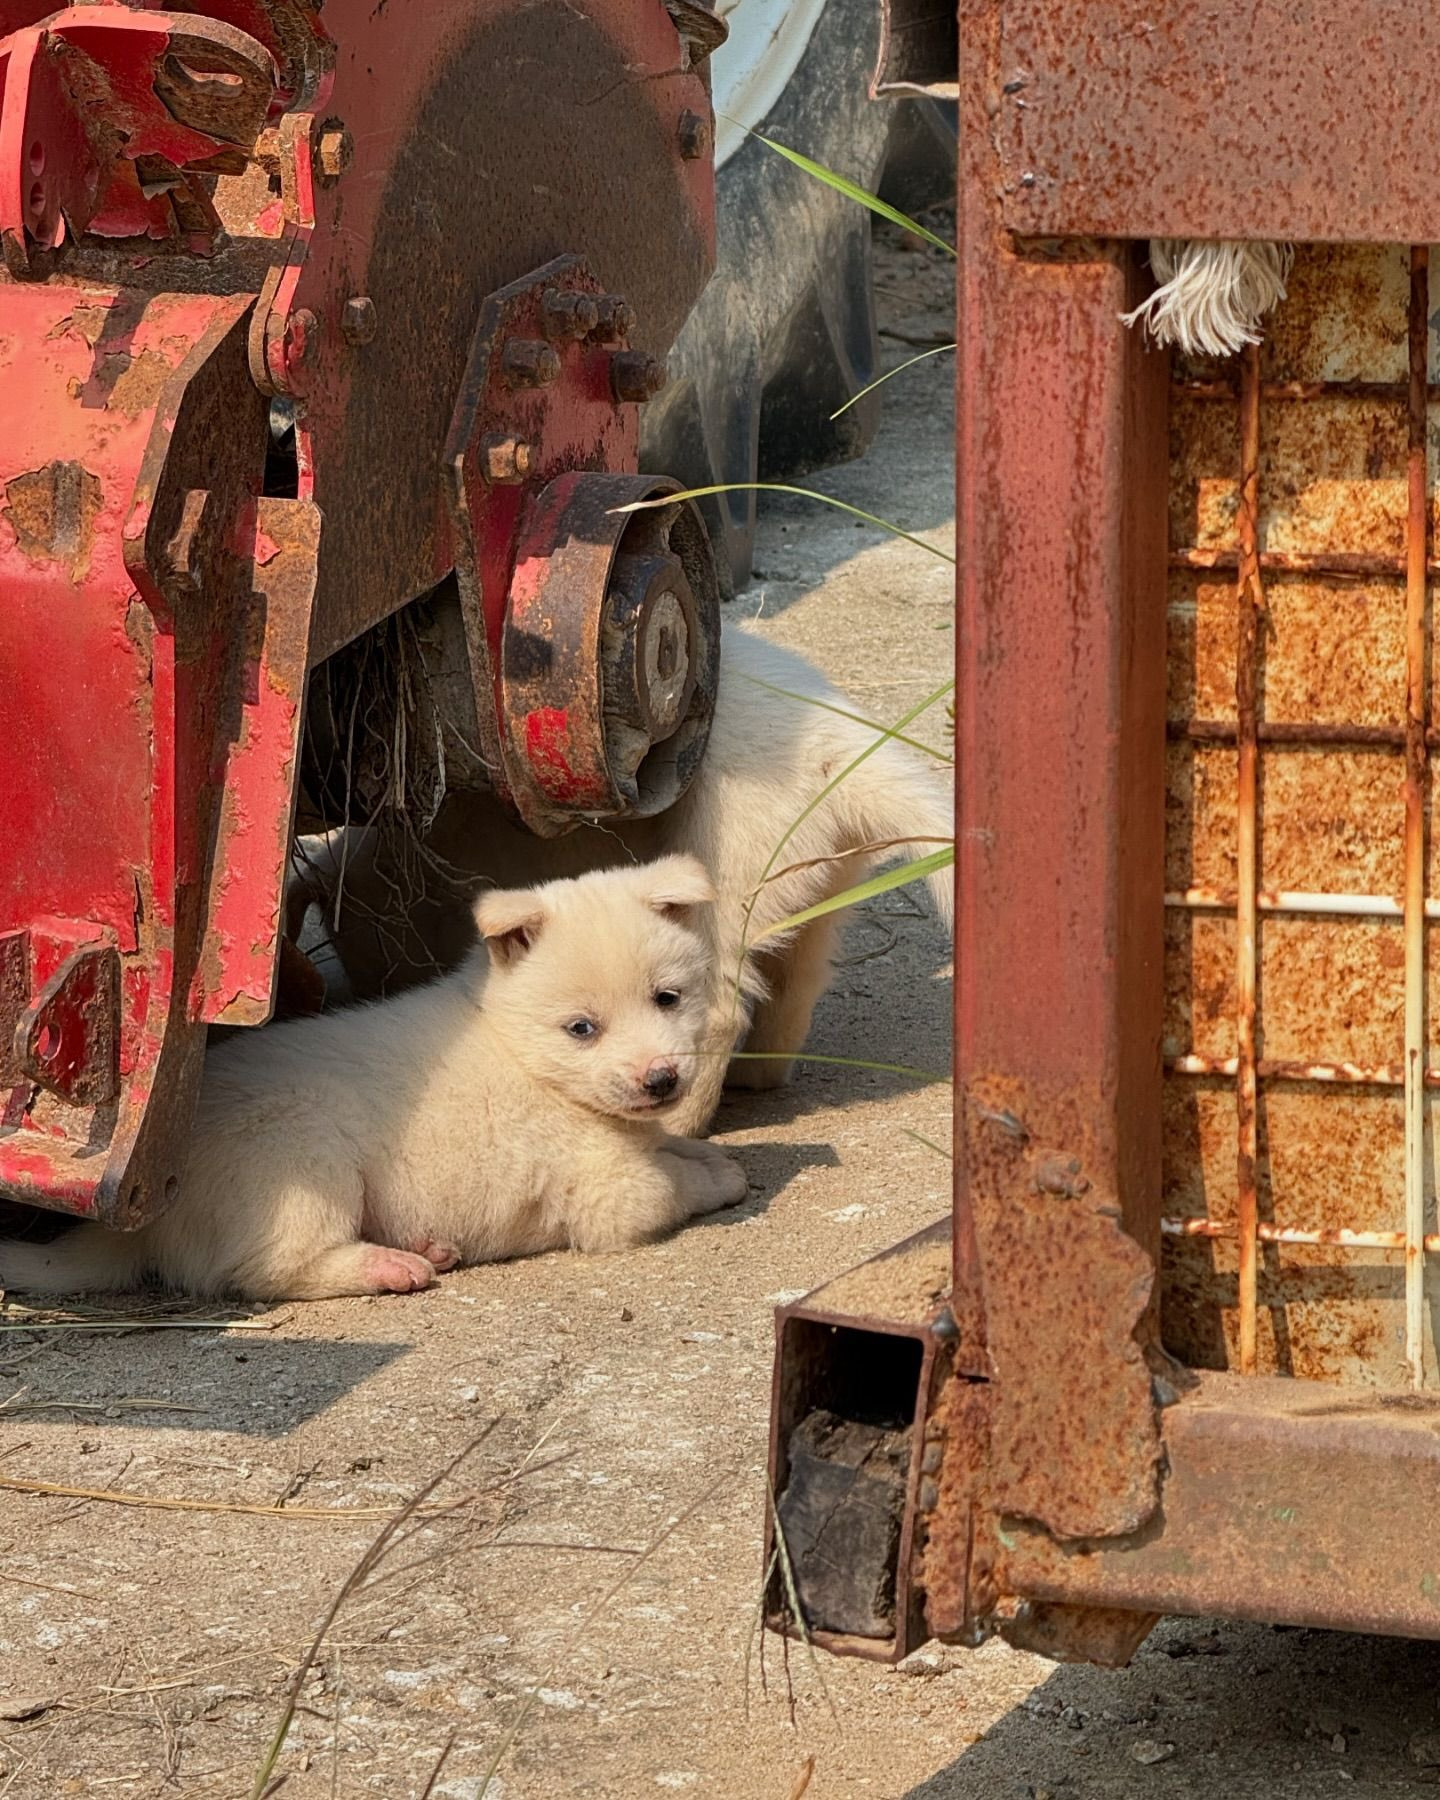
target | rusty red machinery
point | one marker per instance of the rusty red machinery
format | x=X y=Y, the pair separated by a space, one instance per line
x=306 y=313
x=1176 y=1351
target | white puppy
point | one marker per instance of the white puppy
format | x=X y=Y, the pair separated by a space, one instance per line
x=780 y=743
x=511 y=1107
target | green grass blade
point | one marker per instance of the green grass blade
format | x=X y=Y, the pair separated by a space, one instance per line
x=840 y=1062
x=855 y=718
x=782 y=487
x=830 y=786
x=860 y=195
x=880 y=380
x=901 y=876
x=929 y=1143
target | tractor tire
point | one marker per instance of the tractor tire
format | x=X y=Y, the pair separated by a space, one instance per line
x=784 y=334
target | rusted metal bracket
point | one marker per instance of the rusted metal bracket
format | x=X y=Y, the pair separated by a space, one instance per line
x=69 y=1040
x=105 y=113
x=593 y=636
x=875 y=1416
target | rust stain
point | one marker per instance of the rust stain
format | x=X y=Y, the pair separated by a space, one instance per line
x=52 y=512
x=1336 y=722
x=133 y=384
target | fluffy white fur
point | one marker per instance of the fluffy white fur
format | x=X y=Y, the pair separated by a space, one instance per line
x=461 y=1122
x=1212 y=296
x=769 y=757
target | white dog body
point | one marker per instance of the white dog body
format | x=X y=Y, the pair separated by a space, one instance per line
x=511 y=1107
x=781 y=736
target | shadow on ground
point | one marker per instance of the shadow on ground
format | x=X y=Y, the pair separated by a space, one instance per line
x=1217 y=1709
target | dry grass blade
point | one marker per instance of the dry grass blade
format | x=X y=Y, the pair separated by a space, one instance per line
x=757 y=1625
x=440 y=1762
x=929 y=1143
x=356 y=1578
x=784 y=487
x=15 y=1318
x=792 y=1598
x=56 y=1403
x=804 y=1776
x=16 y=1484
x=819 y=862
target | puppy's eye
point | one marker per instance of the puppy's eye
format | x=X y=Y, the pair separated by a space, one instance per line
x=667 y=997
x=582 y=1028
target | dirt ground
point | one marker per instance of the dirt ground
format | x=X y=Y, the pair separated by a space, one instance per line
x=578 y=1618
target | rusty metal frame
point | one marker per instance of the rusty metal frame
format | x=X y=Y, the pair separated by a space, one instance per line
x=1070 y=1481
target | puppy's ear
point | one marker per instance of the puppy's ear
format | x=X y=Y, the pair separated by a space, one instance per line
x=675 y=885
x=509 y=921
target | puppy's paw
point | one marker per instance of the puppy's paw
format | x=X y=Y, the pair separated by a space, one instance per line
x=726 y=1182
x=396 y=1271
x=440 y=1256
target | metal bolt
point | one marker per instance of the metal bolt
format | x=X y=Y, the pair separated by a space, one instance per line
x=504 y=458
x=301 y=330
x=568 y=315
x=528 y=362
x=636 y=376
x=336 y=151
x=694 y=136
x=358 y=320
x=616 y=320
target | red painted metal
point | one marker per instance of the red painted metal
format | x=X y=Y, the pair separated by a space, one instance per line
x=203 y=211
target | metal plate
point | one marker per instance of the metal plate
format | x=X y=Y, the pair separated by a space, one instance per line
x=1303 y=122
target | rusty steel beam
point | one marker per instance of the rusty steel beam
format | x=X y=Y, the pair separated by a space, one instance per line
x=1123 y=119
x=1060 y=704
x=1272 y=1494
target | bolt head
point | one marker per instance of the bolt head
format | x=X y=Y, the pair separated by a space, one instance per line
x=358 y=320
x=504 y=459
x=616 y=319
x=335 y=151
x=636 y=376
x=301 y=331
x=567 y=315
x=528 y=362
x=694 y=136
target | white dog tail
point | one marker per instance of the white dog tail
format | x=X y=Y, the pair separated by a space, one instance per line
x=84 y=1260
x=893 y=796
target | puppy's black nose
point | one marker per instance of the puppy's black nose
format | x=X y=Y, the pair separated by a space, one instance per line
x=661 y=1080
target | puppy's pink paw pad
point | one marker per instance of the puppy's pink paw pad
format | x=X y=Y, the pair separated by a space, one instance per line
x=439 y=1256
x=397 y=1271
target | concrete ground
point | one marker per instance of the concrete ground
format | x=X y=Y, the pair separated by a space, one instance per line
x=575 y=1613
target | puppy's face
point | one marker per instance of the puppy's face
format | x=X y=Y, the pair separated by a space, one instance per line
x=601 y=985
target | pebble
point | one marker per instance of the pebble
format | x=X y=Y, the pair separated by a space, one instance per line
x=1150 y=1750
x=926 y=1663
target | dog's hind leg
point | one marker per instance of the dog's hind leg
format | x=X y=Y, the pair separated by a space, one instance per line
x=798 y=978
x=357 y=1268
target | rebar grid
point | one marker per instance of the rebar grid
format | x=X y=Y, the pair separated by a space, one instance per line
x=1247 y=733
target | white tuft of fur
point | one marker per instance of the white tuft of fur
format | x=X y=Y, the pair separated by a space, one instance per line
x=1212 y=297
